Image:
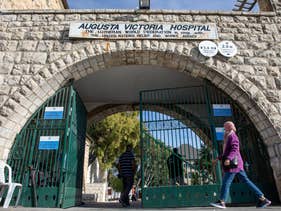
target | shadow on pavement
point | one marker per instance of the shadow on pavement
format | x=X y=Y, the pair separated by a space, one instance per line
x=111 y=205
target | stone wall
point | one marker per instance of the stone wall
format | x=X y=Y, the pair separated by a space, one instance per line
x=86 y=162
x=95 y=192
x=37 y=58
x=32 y=4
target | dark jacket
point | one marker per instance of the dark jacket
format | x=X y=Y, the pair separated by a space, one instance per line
x=175 y=167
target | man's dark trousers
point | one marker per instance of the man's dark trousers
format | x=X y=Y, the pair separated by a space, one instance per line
x=128 y=182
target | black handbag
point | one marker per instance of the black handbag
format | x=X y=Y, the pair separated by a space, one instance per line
x=233 y=163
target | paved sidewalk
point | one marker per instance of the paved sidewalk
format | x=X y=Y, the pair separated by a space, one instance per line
x=272 y=208
x=115 y=206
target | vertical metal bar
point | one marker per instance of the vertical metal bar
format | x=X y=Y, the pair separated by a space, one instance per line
x=60 y=198
x=155 y=119
x=166 y=140
x=141 y=141
x=174 y=126
x=184 y=134
x=164 y=147
x=55 y=173
x=212 y=132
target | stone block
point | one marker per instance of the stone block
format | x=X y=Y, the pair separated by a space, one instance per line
x=273 y=71
x=33 y=35
x=34 y=57
x=270 y=81
x=256 y=61
x=54 y=56
x=27 y=45
x=6 y=68
x=52 y=35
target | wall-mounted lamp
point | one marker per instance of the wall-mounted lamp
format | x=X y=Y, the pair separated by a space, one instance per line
x=144 y=4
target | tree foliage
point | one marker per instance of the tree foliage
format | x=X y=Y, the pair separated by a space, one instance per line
x=155 y=161
x=115 y=182
x=205 y=172
x=111 y=135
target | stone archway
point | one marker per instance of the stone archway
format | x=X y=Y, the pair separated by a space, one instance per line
x=182 y=58
x=85 y=61
x=102 y=112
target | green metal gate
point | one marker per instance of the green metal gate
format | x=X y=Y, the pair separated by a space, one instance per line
x=47 y=155
x=190 y=119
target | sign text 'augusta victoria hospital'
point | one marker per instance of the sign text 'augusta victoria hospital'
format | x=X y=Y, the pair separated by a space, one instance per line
x=143 y=30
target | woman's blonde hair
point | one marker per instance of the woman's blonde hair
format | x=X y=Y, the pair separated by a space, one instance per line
x=228 y=126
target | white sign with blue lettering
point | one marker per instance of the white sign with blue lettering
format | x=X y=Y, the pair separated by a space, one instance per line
x=227 y=48
x=219 y=133
x=53 y=113
x=49 y=142
x=143 y=30
x=222 y=110
x=208 y=48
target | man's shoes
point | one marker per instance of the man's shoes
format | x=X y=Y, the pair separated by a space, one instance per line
x=263 y=203
x=219 y=204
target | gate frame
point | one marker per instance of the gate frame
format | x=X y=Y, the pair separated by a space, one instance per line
x=234 y=189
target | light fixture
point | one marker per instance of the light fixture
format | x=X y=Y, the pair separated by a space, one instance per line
x=144 y=4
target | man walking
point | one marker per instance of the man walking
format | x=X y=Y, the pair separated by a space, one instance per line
x=127 y=169
x=175 y=167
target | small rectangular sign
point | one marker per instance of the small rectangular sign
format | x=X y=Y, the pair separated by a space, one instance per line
x=49 y=142
x=219 y=133
x=222 y=110
x=143 y=30
x=53 y=113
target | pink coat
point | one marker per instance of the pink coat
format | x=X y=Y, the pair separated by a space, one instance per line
x=231 y=149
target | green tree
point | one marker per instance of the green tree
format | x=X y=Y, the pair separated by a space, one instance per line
x=115 y=183
x=111 y=135
x=204 y=167
x=155 y=161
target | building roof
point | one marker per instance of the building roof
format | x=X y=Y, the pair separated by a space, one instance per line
x=188 y=152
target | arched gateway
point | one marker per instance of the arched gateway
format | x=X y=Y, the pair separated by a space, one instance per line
x=38 y=59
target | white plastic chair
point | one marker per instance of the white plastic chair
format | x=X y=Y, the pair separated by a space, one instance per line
x=11 y=186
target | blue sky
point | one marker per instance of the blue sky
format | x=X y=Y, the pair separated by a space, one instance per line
x=226 y=5
x=169 y=130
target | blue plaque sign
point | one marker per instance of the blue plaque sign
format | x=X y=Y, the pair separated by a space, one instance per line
x=53 y=113
x=222 y=110
x=219 y=133
x=49 y=142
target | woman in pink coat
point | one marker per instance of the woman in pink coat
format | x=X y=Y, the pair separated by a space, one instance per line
x=231 y=152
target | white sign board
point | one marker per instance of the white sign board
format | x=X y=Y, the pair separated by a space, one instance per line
x=222 y=110
x=208 y=48
x=53 y=113
x=227 y=48
x=49 y=142
x=143 y=30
